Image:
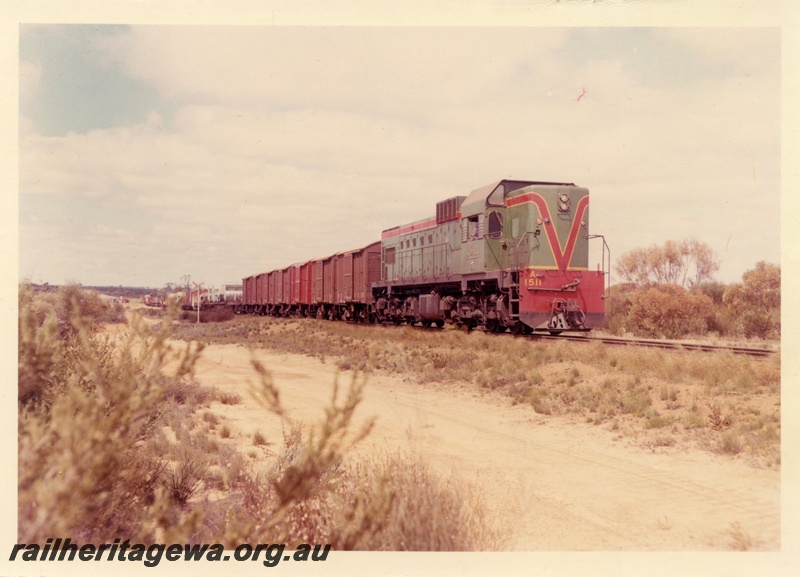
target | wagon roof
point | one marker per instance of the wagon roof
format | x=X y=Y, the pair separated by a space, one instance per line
x=360 y=249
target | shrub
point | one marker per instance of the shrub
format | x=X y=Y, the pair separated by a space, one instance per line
x=217 y=314
x=756 y=324
x=730 y=443
x=183 y=479
x=669 y=311
x=259 y=438
x=425 y=512
x=618 y=303
x=636 y=403
x=228 y=397
x=82 y=470
x=657 y=422
x=756 y=302
x=94 y=463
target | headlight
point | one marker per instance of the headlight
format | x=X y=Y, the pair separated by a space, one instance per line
x=563 y=202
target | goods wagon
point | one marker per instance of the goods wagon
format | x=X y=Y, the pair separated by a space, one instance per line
x=335 y=287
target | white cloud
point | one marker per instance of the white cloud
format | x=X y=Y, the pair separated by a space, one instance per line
x=294 y=143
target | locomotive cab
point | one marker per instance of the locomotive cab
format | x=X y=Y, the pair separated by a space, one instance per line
x=535 y=235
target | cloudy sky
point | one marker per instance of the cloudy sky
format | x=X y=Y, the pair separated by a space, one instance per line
x=151 y=152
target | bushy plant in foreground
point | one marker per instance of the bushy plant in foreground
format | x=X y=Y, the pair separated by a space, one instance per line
x=86 y=406
x=95 y=463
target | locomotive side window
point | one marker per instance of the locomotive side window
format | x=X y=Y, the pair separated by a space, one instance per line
x=495 y=225
x=472 y=227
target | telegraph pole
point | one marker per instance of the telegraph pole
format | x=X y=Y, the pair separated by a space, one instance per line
x=199 y=286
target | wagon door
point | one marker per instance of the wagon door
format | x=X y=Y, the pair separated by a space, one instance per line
x=347 y=278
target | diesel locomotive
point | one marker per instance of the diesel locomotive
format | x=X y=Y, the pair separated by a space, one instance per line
x=513 y=255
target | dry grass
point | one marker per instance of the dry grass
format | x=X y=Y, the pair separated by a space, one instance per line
x=698 y=399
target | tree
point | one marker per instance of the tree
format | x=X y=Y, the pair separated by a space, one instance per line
x=700 y=259
x=756 y=301
x=686 y=263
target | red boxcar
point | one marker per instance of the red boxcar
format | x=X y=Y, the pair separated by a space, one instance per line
x=343 y=274
x=297 y=282
x=286 y=294
x=259 y=292
x=271 y=288
x=278 y=297
x=366 y=270
x=306 y=282
x=329 y=280
x=248 y=290
x=317 y=282
x=355 y=270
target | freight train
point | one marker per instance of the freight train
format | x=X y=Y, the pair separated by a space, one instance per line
x=513 y=255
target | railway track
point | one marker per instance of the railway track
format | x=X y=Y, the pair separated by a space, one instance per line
x=667 y=345
x=619 y=341
x=649 y=343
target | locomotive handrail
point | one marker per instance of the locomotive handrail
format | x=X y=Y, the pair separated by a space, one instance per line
x=607 y=249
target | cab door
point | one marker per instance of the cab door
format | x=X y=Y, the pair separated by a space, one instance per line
x=496 y=245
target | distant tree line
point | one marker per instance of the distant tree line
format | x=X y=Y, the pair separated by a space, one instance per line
x=115 y=291
x=668 y=291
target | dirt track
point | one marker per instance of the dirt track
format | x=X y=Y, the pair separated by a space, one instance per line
x=551 y=483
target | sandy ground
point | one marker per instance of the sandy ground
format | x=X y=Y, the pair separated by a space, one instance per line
x=551 y=484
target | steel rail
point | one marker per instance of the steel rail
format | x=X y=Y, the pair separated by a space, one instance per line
x=667 y=345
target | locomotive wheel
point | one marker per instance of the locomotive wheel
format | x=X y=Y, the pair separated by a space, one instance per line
x=521 y=328
x=439 y=323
